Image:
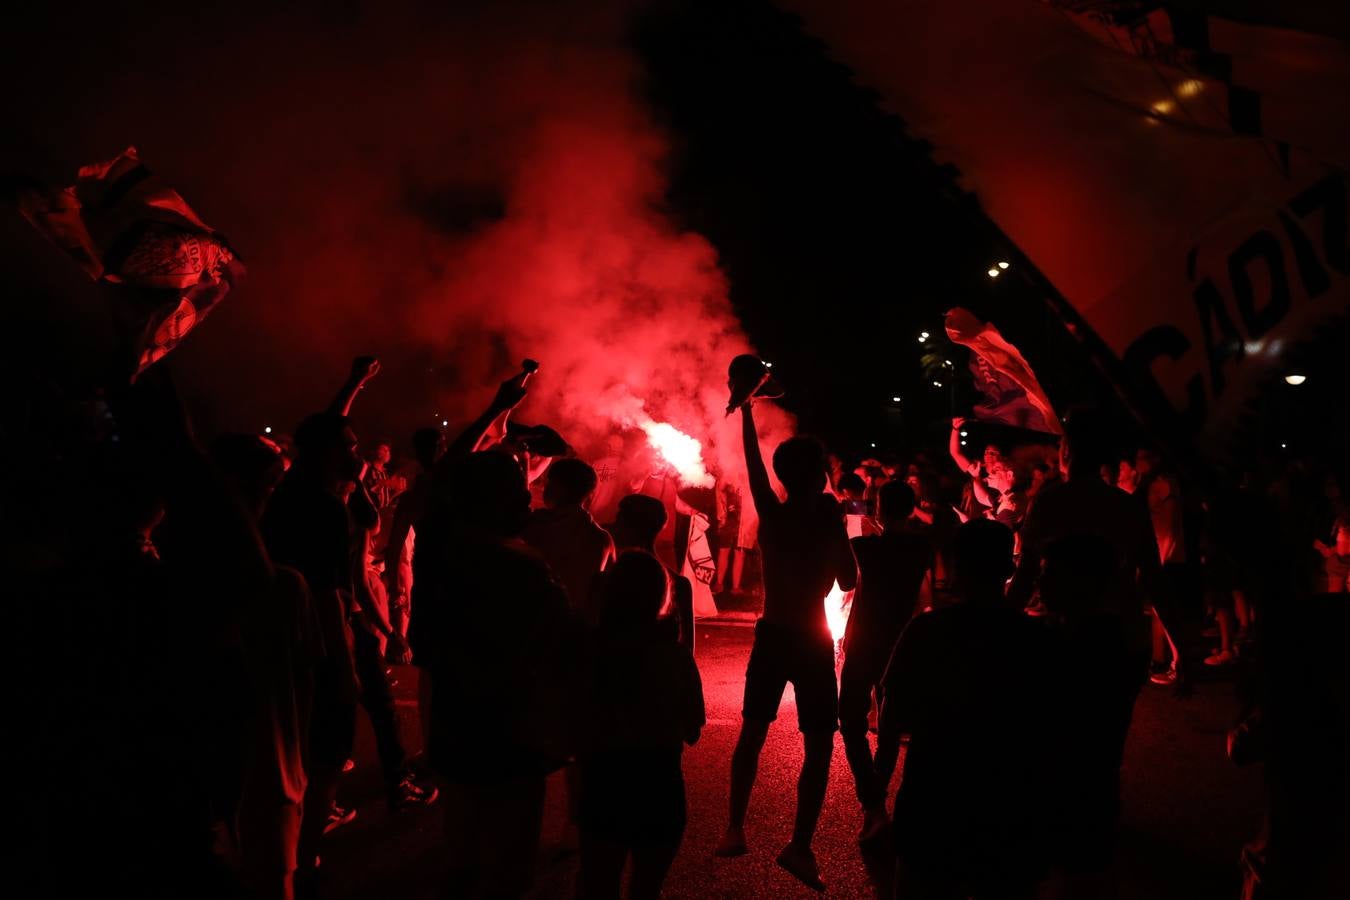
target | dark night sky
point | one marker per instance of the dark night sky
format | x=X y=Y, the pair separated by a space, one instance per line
x=373 y=144
x=843 y=239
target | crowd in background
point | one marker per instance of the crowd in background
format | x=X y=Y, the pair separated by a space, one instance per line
x=225 y=613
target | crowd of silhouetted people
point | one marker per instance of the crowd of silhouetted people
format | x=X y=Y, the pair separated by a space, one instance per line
x=218 y=617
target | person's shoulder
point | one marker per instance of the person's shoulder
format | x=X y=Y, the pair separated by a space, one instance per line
x=926 y=623
x=596 y=531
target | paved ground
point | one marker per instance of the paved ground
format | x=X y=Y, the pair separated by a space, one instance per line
x=1187 y=809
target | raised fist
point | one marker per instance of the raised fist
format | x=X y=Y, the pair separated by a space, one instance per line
x=364 y=368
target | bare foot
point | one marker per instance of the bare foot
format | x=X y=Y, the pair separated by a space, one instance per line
x=732 y=843
x=875 y=821
x=801 y=863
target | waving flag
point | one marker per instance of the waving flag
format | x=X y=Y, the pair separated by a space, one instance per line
x=121 y=225
x=1010 y=393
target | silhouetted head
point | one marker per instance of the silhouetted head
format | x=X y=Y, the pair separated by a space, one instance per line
x=485 y=492
x=851 y=484
x=1075 y=573
x=895 y=503
x=251 y=465
x=639 y=521
x=381 y=454
x=799 y=463
x=982 y=558
x=428 y=445
x=636 y=589
x=570 y=483
x=326 y=444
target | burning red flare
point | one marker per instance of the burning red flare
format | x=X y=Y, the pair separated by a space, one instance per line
x=837 y=608
x=682 y=452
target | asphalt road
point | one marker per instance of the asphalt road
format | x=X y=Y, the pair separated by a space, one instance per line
x=1188 y=810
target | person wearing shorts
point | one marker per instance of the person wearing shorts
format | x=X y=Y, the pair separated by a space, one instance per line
x=805 y=553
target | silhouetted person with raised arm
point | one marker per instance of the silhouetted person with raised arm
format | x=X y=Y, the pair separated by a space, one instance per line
x=891 y=569
x=1098 y=660
x=805 y=551
x=967 y=684
x=563 y=532
x=370 y=624
x=640 y=520
x=644 y=703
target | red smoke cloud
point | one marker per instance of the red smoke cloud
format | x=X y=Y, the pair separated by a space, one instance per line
x=452 y=191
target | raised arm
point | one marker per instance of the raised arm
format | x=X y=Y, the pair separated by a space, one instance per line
x=761 y=491
x=954 y=446
x=508 y=398
x=364 y=368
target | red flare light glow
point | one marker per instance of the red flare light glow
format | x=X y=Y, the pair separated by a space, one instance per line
x=838 y=604
x=682 y=452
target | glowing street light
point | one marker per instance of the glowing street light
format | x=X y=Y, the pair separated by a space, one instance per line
x=874 y=446
x=994 y=273
x=768 y=365
x=937 y=384
x=1002 y=264
x=895 y=399
x=1295 y=379
x=267 y=429
x=965 y=434
x=445 y=423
